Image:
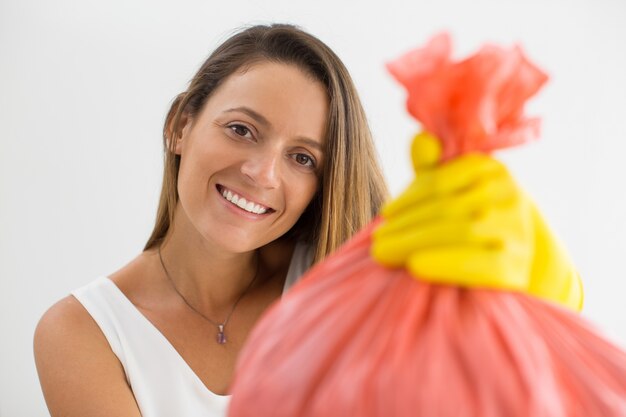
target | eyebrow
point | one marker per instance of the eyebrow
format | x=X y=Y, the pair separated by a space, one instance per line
x=262 y=120
x=311 y=142
x=247 y=110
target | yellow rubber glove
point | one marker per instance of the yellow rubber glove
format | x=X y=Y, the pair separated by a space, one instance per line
x=467 y=223
x=553 y=276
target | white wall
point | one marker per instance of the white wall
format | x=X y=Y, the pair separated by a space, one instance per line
x=84 y=87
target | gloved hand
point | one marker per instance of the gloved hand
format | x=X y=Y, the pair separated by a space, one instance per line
x=465 y=222
x=552 y=275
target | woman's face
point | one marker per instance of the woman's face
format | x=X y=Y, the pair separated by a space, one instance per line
x=251 y=160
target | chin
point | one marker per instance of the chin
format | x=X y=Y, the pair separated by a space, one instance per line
x=236 y=241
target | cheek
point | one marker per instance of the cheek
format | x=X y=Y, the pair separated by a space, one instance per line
x=303 y=194
x=202 y=158
x=193 y=178
x=191 y=166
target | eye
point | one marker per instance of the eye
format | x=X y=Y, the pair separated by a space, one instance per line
x=304 y=160
x=241 y=130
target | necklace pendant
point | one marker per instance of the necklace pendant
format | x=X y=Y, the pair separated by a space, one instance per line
x=221 y=337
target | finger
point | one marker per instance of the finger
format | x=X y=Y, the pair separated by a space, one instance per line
x=461 y=172
x=471 y=266
x=506 y=228
x=414 y=194
x=448 y=178
x=394 y=250
x=467 y=203
x=425 y=151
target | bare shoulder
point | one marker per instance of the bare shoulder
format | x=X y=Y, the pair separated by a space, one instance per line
x=79 y=373
x=64 y=325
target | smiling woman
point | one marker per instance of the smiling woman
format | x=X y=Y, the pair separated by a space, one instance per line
x=247 y=140
x=269 y=166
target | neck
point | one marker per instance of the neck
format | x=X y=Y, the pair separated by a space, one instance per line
x=208 y=276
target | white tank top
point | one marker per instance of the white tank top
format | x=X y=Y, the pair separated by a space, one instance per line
x=162 y=382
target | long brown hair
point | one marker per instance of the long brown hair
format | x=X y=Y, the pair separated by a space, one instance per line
x=352 y=188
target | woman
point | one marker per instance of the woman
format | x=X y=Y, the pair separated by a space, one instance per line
x=269 y=165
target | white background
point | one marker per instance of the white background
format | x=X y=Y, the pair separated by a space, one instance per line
x=84 y=87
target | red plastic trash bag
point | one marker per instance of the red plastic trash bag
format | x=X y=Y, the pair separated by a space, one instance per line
x=354 y=338
x=476 y=104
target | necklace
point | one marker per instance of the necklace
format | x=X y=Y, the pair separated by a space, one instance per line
x=221 y=336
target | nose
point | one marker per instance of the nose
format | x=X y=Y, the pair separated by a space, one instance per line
x=263 y=168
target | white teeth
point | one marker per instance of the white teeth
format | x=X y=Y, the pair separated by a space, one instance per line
x=258 y=209
x=242 y=203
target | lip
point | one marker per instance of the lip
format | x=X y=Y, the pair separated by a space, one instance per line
x=239 y=210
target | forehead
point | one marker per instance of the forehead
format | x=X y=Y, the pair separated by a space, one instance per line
x=284 y=94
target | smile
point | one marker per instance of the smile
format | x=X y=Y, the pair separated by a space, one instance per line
x=242 y=203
